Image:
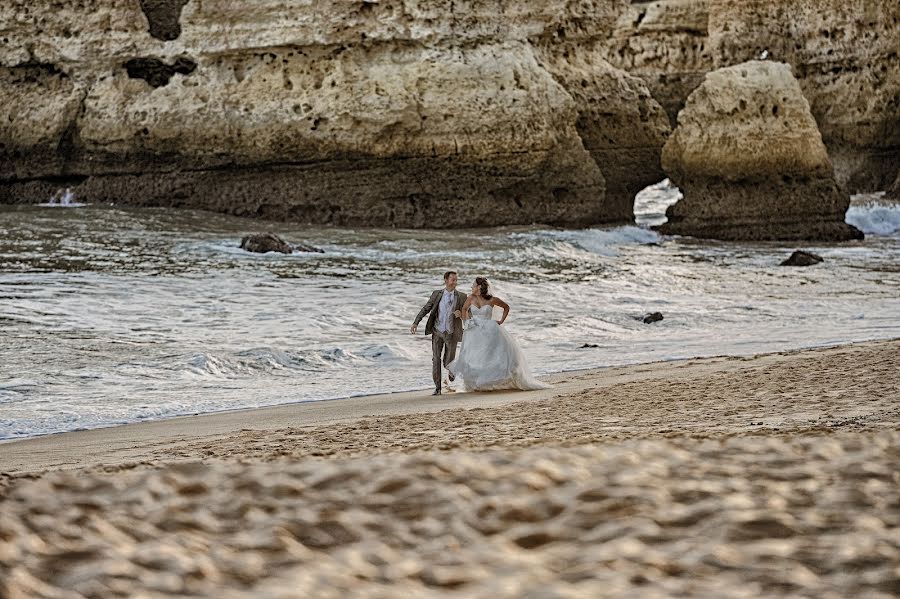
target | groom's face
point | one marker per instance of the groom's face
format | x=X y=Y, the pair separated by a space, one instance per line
x=451 y=282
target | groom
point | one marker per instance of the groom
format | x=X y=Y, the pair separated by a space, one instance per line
x=444 y=326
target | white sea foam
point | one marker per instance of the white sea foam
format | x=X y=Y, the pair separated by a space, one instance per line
x=603 y=242
x=63 y=199
x=651 y=203
x=875 y=217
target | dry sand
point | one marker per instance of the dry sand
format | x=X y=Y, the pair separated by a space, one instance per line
x=775 y=475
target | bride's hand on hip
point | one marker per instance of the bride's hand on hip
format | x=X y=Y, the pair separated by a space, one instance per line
x=458 y=314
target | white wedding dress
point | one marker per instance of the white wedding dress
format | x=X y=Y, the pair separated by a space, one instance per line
x=489 y=358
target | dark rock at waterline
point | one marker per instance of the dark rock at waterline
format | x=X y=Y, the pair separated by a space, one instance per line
x=270 y=242
x=652 y=317
x=265 y=242
x=802 y=258
x=304 y=247
x=589 y=345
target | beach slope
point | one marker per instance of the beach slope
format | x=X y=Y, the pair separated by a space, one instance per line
x=772 y=475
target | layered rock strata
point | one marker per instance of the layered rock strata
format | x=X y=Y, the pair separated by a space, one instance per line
x=413 y=114
x=751 y=163
x=355 y=113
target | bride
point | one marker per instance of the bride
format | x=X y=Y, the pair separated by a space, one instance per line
x=490 y=358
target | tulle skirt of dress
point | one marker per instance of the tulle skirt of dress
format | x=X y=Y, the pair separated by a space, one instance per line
x=490 y=359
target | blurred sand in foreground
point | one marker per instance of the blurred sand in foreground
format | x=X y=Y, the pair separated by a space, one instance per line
x=733 y=477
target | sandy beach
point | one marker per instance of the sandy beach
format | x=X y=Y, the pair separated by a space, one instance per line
x=773 y=475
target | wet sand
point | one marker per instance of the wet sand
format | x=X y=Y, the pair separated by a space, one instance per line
x=774 y=475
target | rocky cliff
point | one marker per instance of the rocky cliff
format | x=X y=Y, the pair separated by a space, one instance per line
x=346 y=112
x=844 y=54
x=751 y=163
x=399 y=112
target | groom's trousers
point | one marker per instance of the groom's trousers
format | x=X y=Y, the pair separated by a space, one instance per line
x=441 y=343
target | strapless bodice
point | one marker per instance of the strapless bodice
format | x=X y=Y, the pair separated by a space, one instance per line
x=485 y=312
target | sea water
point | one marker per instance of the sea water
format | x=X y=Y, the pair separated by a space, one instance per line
x=111 y=315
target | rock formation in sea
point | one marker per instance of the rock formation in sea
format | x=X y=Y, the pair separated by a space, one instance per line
x=262 y=243
x=802 y=258
x=751 y=163
x=844 y=54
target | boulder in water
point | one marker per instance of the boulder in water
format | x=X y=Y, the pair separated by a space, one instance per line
x=652 y=317
x=802 y=258
x=261 y=243
x=749 y=158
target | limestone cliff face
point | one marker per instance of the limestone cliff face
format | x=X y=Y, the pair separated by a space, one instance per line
x=751 y=163
x=410 y=113
x=844 y=54
x=347 y=112
x=665 y=43
x=619 y=122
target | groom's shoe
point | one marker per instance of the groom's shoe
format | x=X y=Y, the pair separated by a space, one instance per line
x=437 y=391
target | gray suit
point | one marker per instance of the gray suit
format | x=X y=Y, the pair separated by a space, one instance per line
x=441 y=342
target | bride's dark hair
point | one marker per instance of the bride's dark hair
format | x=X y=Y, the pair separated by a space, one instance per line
x=482 y=283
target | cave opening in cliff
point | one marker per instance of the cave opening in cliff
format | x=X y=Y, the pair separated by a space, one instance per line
x=651 y=203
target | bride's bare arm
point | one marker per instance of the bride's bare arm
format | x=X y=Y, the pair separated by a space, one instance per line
x=496 y=301
x=464 y=313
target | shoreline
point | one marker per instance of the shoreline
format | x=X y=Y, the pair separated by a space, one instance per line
x=550 y=376
x=764 y=476
x=136 y=442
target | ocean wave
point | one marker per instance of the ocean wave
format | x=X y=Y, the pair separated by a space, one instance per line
x=62 y=199
x=651 y=203
x=386 y=353
x=261 y=361
x=875 y=218
x=268 y=361
x=599 y=241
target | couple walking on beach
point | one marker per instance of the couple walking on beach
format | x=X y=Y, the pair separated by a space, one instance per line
x=490 y=359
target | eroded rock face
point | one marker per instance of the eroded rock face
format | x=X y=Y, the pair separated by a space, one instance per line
x=408 y=113
x=751 y=163
x=666 y=44
x=358 y=113
x=619 y=122
x=844 y=54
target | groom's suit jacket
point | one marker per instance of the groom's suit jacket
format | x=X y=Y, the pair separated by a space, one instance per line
x=431 y=308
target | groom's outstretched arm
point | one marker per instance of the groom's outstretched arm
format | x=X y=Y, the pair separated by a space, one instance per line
x=425 y=310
